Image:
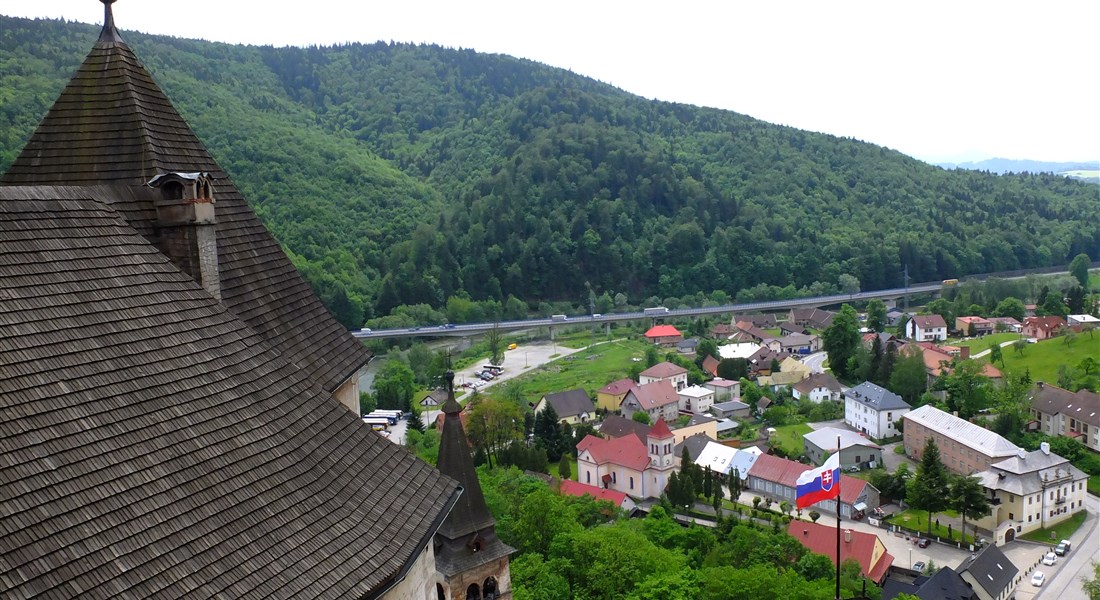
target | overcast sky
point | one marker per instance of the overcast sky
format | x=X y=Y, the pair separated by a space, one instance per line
x=938 y=80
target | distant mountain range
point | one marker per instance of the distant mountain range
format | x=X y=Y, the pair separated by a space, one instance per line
x=1002 y=166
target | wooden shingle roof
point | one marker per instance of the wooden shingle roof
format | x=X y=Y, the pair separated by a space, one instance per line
x=113 y=125
x=153 y=445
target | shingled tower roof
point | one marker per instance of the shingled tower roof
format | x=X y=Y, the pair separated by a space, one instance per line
x=467 y=537
x=112 y=125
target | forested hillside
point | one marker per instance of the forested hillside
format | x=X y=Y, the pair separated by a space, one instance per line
x=409 y=174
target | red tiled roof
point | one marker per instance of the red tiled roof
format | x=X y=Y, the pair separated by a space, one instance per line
x=664 y=369
x=578 y=489
x=929 y=321
x=660 y=430
x=627 y=451
x=821 y=539
x=655 y=394
x=662 y=331
x=1044 y=323
x=621 y=386
x=710 y=365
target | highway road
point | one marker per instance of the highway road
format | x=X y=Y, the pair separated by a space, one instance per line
x=464 y=329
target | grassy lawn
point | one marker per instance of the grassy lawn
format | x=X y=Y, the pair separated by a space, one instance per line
x=866 y=473
x=1060 y=531
x=986 y=342
x=789 y=438
x=590 y=370
x=1042 y=359
x=917 y=520
x=1094 y=485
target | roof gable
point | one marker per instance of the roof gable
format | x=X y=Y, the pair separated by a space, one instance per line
x=990 y=568
x=662 y=331
x=876 y=397
x=664 y=369
x=578 y=489
x=654 y=394
x=858 y=545
x=618 y=387
x=617 y=426
x=570 y=403
x=627 y=451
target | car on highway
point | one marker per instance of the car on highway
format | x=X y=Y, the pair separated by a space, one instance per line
x=1038 y=578
x=1049 y=559
x=365 y=331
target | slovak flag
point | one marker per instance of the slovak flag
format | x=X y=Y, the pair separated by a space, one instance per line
x=816 y=485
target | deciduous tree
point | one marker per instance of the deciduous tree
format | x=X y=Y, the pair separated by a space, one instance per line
x=1079 y=268
x=876 y=315
x=841 y=340
x=966 y=496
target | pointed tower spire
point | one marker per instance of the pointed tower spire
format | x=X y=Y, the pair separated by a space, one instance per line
x=466 y=545
x=109 y=33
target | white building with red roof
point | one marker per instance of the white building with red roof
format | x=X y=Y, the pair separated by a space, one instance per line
x=627 y=464
x=926 y=328
x=658 y=399
x=664 y=335
x=665 y=371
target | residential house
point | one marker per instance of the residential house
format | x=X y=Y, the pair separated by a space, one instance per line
x=940 y=361
x=697 y=424
x=1084 y=321
x=944 y=584
x=973 y=326
x=687 y=346
x=718 y=458
x=665 y=371
x=1042 y=328
x=1061 y=412
x=796 y=343
x=990 y=574
x=865 y=548
x=813 y=318
x=964 y=447
x=873 y=410
x=722 y=331
x=568 y=487
x=724 y=390
x=696 y=399
x=710 y=365
x=726 y=427
x=434 y=398
x=781 y=380
x=762 y=320
x=818 y=387
x=926 y=328
x=639 y=469
x=744 y=460
x=750 y=332
x=657 y=398
x=855 y=450
x=788 y=328
x=572 y=406
x=893 y=317
x=615 y=426
x=777 y=478
x=761 y=360
x=1029 y=491
x=181 y=411
x=610 y=396
x=793 y=364
x=1006 y=324
x=884 y=339
x=730 y=409
x=664 y=335
x=763 y=404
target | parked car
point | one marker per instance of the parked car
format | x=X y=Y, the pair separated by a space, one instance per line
x=918 y=567
x=1038 y=578
x=1062 y=548
x=923 y=542
x=1049 y=559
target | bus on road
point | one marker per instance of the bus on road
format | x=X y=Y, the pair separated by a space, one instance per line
x=377 y=423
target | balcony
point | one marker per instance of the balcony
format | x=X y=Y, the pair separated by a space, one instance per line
x=1060 y=500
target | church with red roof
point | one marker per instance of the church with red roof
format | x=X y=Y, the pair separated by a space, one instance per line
x=628 y=464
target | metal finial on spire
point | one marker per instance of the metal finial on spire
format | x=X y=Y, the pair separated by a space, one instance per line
x=450 y=406
x=109 y=33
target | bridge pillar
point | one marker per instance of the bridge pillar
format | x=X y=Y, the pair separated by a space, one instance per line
x=607 y=329
x=551 y=327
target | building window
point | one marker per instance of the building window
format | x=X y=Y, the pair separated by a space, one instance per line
x=588 y=476
x=631 y=483
x=613 y=478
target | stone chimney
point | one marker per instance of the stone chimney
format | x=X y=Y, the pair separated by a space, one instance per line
x=964 y=352
x=185 y=226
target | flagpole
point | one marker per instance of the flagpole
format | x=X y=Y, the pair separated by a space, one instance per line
x=838 y=517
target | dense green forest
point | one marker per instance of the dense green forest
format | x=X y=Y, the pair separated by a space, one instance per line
x=408 y=175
